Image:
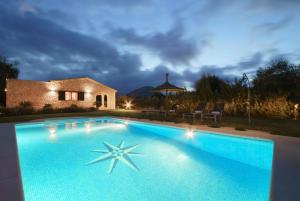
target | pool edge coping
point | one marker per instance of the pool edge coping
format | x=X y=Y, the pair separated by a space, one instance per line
x=11 y=187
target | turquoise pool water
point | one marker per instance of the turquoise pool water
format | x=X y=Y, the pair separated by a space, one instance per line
x=107 y=159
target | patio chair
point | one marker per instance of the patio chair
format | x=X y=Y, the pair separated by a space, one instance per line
x=216 y=113
x=173 y=109
x=199 y=111
x=218 y=110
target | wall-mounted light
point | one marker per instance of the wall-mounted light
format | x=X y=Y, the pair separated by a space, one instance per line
x=5 y=89
x=87 y=92
x=52 y=88
x=52 y=91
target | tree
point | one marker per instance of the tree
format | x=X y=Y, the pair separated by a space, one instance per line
x=239 y=88
x=7 y=70
x=279 y=79
x=211 y=88
x=184 y=102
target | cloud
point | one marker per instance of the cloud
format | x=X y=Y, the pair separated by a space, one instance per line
x=105 y=3
x=229 y=73
x=171 y=46
x=49 y=43
x=26 y=8
x=213 y=6
x=47 y=50
x=270 y=27
x=274 y=4
x=246 y=65
x=127 y=3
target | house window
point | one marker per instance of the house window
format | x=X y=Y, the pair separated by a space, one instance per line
x=70 y=95
x=81 y=96
x=74 y=95
x=61 y=95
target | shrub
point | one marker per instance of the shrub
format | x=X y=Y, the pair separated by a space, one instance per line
x=24 y=108
x=2 y=111
x=273 y=107
x=240 y=129
x=92 y=109
x=73 y=108
x=47 y=109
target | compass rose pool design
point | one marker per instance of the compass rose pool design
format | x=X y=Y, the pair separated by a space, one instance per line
x=109 y=159
x=117 y=153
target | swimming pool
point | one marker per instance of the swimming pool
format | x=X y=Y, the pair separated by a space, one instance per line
x=91 y=159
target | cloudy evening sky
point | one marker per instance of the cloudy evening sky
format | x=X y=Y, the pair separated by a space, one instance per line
x=132 y=43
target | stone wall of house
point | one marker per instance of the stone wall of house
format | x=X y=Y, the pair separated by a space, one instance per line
x=41 y=93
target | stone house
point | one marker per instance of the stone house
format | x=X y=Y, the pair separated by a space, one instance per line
x=83 y=92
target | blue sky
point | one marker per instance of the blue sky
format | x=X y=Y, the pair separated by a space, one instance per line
x=132 y=43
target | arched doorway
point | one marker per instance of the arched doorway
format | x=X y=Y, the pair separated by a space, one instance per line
x=105 y=100
x=98 y=101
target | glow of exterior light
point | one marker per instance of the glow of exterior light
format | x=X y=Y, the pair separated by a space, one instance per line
x=67 y=125
x=88 y=126
x=74 y=125
x=88 y=92
x=52 y=130
x=120 y=126
x=128 y=105
x=111 y=126
x=5 y=90
x=52 y=136
x=296 y=106
x=52 y=88
x=52 y=91
x=189 y=134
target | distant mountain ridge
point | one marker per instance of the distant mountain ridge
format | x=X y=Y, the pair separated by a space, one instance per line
x=145 y=91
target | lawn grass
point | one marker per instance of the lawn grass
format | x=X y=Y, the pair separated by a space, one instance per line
x=274 y=126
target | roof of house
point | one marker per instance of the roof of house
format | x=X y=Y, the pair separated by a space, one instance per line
x=88 y=78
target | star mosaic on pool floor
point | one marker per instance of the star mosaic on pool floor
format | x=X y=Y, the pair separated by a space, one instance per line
x=116 y=154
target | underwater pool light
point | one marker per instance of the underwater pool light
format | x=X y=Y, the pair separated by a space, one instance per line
x=189 y=134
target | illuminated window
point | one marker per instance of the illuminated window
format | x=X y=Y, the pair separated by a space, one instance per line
x=69 y=95
x=74 y=95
